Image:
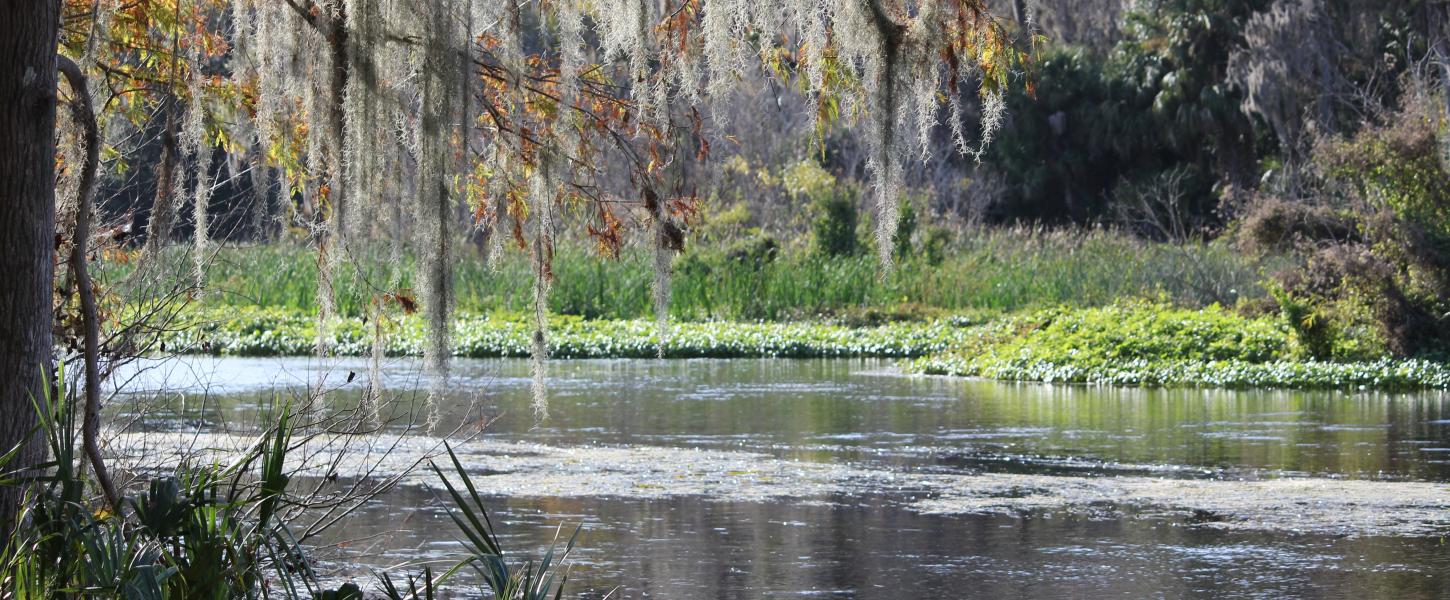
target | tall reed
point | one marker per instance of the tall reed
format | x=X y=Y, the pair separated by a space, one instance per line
x=1000 y=270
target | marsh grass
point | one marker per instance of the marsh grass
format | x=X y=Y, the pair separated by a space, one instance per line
x=996 y=270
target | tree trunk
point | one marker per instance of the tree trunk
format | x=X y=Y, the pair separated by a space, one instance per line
x=27 y=228
x=1019 y=12
x=163 y=208
x=262 y=221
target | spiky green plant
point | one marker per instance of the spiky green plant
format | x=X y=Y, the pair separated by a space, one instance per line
x=209 y=531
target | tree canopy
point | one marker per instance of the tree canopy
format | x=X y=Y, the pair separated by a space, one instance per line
x=517 y=114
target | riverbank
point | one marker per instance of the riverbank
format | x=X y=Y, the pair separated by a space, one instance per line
x=1134 y=343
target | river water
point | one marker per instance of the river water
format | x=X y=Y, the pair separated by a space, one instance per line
x=658 y=536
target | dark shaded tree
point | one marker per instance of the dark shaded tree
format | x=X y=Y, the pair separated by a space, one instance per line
x=27 y=227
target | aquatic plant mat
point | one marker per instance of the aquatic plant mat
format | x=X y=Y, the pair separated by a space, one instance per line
x=1308 y=505
x=1130 y=343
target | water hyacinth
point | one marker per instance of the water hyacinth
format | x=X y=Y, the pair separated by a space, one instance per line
x=1210 y=348
x=1383 y=374
x=282 y=332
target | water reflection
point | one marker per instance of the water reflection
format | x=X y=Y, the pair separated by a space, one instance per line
x=862 y=411
x=694 y=548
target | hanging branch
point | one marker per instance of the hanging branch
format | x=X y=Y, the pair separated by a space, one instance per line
x=163 y=206
x=81 y=111
x=881 y=61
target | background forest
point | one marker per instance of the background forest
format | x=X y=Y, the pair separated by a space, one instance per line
x=1271 y=157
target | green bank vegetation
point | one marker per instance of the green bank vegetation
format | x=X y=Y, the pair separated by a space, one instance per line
x=758 y=278
x=1133 y=343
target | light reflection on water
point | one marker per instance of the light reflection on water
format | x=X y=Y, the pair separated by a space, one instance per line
x=859 y=411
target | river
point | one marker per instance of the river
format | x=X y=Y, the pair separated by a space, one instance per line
x=842 y=478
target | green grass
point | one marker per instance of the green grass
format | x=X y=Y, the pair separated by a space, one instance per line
x=996 y=270
x=1086 y=307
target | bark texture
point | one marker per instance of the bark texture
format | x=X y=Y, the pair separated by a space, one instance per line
x=163 y=207
x=27 y=227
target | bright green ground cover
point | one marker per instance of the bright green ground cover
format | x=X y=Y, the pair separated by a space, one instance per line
x=1157 y=345
x=1134 y=343
x=274 y=331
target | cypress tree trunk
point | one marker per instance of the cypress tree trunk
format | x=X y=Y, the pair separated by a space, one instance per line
x=261 y=177
x=163 y=207
x=27 y=226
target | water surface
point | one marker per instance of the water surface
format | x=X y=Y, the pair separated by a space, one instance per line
x=863 y=413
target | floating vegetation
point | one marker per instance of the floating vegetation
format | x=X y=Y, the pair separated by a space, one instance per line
x=1130 y=344
x=280 y=332
x=1298 y=504
x=1379 y=374
x=1157 y=345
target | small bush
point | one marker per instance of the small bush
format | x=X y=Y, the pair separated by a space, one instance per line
x=833 y=228
x=1393 y=270
x=1272 y=225
x=934 y=247
x=759 y=250
x=1312 y=330
x=1397 y=165
x=905 y=229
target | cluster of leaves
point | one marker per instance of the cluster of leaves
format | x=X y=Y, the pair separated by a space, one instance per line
x=1159 y=101
x=1155 y=344
x=1373 y=242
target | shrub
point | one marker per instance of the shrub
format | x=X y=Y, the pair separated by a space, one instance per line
x=759 y=250
x=1394 y=270
x=1270 y=225
x=934 y=247
x=1312 y=331
x=833 y=228
x=905 y=229
x=1396 y=165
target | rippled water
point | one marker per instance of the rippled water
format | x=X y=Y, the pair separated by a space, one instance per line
x=862 y=413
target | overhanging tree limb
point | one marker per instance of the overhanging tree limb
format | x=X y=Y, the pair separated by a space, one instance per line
x=81 y=111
